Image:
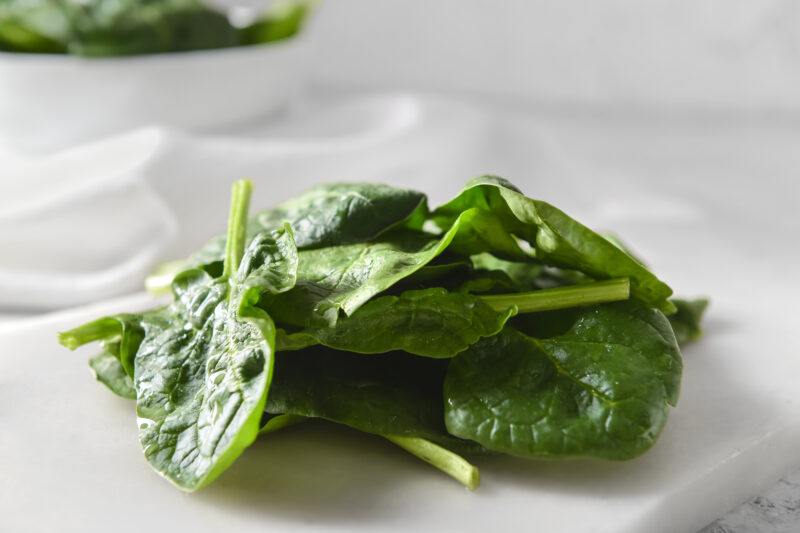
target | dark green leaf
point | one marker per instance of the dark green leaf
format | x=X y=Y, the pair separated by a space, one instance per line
x=686 y=320
x=389 y=394
x=146 y=27
x=281 y=23
x=202 y=366
x=557 y=239
x=429 y=322
x=342 y=278
x=600 y=388
x=33 y=26
x=270 y=264
x=101 y=28
x=108 y=371
x=331 y=214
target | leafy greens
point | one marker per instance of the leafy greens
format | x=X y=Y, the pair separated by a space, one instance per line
x=494 y=323
x=100 y=28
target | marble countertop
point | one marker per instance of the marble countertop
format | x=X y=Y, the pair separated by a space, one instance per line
x=776 y=511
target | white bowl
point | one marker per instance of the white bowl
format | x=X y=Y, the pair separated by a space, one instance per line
x=52 y=101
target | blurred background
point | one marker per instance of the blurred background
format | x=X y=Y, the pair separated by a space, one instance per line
x=124 y=122
x=112 y=161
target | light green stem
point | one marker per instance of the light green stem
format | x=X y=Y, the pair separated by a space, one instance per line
x=448 y=462
x=99 y=329
x=597 y=292
x=237 y=226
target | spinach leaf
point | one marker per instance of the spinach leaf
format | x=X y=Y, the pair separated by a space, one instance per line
x=33 y=26
x=98 y=28
x=394 y=395
x=557 y=239
x=282 y=22
x=102 y=28
x=686 y=320
x=331 y=214
x=108 y=371
x=513 y=275
x=429 y=322
x=202 y=366
x=486 y=232
x=446 y=271
x=389 y=394
x=342 y=278
x=514 y=295
x=599 y=388
x=271 y=423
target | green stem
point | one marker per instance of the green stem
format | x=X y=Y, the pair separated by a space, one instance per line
x=279 y=422
x=448 y=462
x=597 y=292
x=100 y=329
x=237 y=226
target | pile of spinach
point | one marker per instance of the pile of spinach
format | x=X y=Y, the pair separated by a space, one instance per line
x=494 y=323
x=99 y=28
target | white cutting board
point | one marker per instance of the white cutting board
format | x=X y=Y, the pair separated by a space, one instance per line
x=70 y=461
x=716 y=215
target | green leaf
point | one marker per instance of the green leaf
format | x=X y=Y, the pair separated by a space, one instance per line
x=492 y=273
x=282 y=22
x=342 y=278
x=201 y=389
x=108 y=371
x=486 y=232
x=202 y=366
x=331 y=214
x=272 y=423
x=600 y=387
x=270 y=264
x=135 y=27
x=429 y=322
x=389 y=394
x=99 y=28
x=555 y=238
x=686 y=320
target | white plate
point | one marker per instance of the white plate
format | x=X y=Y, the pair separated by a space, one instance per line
x=52 y=101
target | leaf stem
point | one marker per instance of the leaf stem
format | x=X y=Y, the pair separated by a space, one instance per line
x=612 y=290
x=237 y=226
x=100 y=329
x=448 y=462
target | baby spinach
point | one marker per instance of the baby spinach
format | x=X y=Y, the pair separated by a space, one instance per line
x=285 y=20
x=108 y=371
x=430 y=322
x=393 y=395
x=331 y=214
x=437 y=323
x=339 y=279
x=556 y=239
x=530 y=342
x=201 y=367
x=388 y=394
x=100 y=28
x=601 y=388
x=686 y=320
